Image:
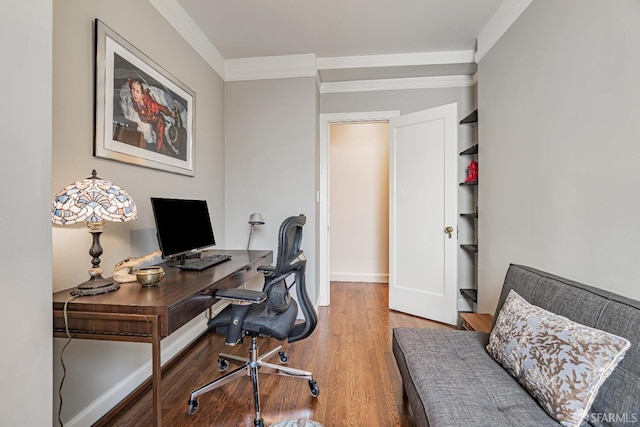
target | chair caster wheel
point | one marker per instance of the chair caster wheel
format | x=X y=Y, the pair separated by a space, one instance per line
x=313 y=388
x=222 y=365
x=284 y=357
x=193 y=406
x=258 y=423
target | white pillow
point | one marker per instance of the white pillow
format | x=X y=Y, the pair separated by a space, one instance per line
x=559 y=362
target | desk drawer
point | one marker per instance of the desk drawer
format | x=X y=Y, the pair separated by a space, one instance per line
x=105 y=325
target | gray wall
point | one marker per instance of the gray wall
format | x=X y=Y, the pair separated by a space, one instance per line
x=271 y=137
x=106 y=369
x=25 y=221
x=559 y=102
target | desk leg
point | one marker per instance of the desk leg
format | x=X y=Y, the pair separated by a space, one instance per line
x=156 y=378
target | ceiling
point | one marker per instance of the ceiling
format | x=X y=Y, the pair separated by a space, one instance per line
x=351 y=39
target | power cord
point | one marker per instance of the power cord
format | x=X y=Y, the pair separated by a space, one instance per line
x=64 y=368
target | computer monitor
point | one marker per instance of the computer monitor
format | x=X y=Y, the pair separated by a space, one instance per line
x=182 y=225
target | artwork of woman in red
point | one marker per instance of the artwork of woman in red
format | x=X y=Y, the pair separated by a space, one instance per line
x=150 y=112
x=158 y=117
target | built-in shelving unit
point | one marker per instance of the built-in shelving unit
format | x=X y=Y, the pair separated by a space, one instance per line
x=469 y=151
x=471 y=118
x=472 y=294
x=471 y=290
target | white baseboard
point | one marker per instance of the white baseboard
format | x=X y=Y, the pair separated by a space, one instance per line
x=104 y=403
x=358 y=277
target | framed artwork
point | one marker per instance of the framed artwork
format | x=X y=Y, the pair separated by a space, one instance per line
x=143 y=115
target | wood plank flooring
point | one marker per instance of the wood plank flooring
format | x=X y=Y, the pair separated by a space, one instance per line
x=349 y=354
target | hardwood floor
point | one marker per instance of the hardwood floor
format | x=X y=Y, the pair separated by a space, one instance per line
x=349 y=354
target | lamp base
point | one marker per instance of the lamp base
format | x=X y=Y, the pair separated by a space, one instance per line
x=96 y=285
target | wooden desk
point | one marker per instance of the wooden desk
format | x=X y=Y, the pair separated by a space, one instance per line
x=139 y=314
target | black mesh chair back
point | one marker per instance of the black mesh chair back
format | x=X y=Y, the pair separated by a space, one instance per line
x=289 y=242
x=290 y=262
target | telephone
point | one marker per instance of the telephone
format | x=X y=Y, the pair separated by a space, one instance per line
x=123 y=272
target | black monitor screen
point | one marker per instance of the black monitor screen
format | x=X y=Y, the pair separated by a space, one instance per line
x=182 y=225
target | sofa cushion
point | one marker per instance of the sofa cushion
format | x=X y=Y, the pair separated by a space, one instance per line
x=560 y=362
x=598 y=309
x=449 y=377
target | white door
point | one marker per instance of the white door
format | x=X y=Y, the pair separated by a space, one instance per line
x=423 y=203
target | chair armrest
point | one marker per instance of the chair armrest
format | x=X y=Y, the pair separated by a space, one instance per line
x=241 y=300
x=241 y=296
x=267 y=270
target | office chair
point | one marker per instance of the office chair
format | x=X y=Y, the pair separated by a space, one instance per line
x=267 y=313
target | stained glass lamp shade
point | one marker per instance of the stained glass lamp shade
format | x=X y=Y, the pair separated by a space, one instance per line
x=93 y=200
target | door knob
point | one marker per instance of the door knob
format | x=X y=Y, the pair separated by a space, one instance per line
x=448 y=230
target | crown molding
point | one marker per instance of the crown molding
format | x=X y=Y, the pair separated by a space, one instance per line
x=307 y=65
x=498 y=25
x=184 y=25
x=397 y=84
x=396 y=60
x=474 y=78
x=271 y=67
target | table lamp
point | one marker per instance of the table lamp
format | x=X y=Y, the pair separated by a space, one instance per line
x=95 y=201
x=254 y=219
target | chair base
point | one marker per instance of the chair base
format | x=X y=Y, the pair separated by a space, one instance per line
x=249 y=367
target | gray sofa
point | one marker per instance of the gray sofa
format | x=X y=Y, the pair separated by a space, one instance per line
x=449 y=379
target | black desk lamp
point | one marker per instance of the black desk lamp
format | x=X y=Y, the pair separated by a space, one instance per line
x=254 y=219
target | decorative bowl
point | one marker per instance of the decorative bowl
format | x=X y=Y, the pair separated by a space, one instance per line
x=149 y=276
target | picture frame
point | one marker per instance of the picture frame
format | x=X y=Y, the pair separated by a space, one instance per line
x=143 y=115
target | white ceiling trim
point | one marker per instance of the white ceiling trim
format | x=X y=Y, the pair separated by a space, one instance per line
x=504 y=17
x=396 y=60
x=182 y=22
x=435 y=82
x=271 y=67
x=248 y=69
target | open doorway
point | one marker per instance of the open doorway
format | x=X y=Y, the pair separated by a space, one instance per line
x=324 y=214
x=423 y=191
x=359 y=202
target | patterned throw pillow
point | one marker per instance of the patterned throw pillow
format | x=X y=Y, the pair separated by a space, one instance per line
x=559 y=362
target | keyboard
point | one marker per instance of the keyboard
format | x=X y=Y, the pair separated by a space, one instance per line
x=204 y=262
